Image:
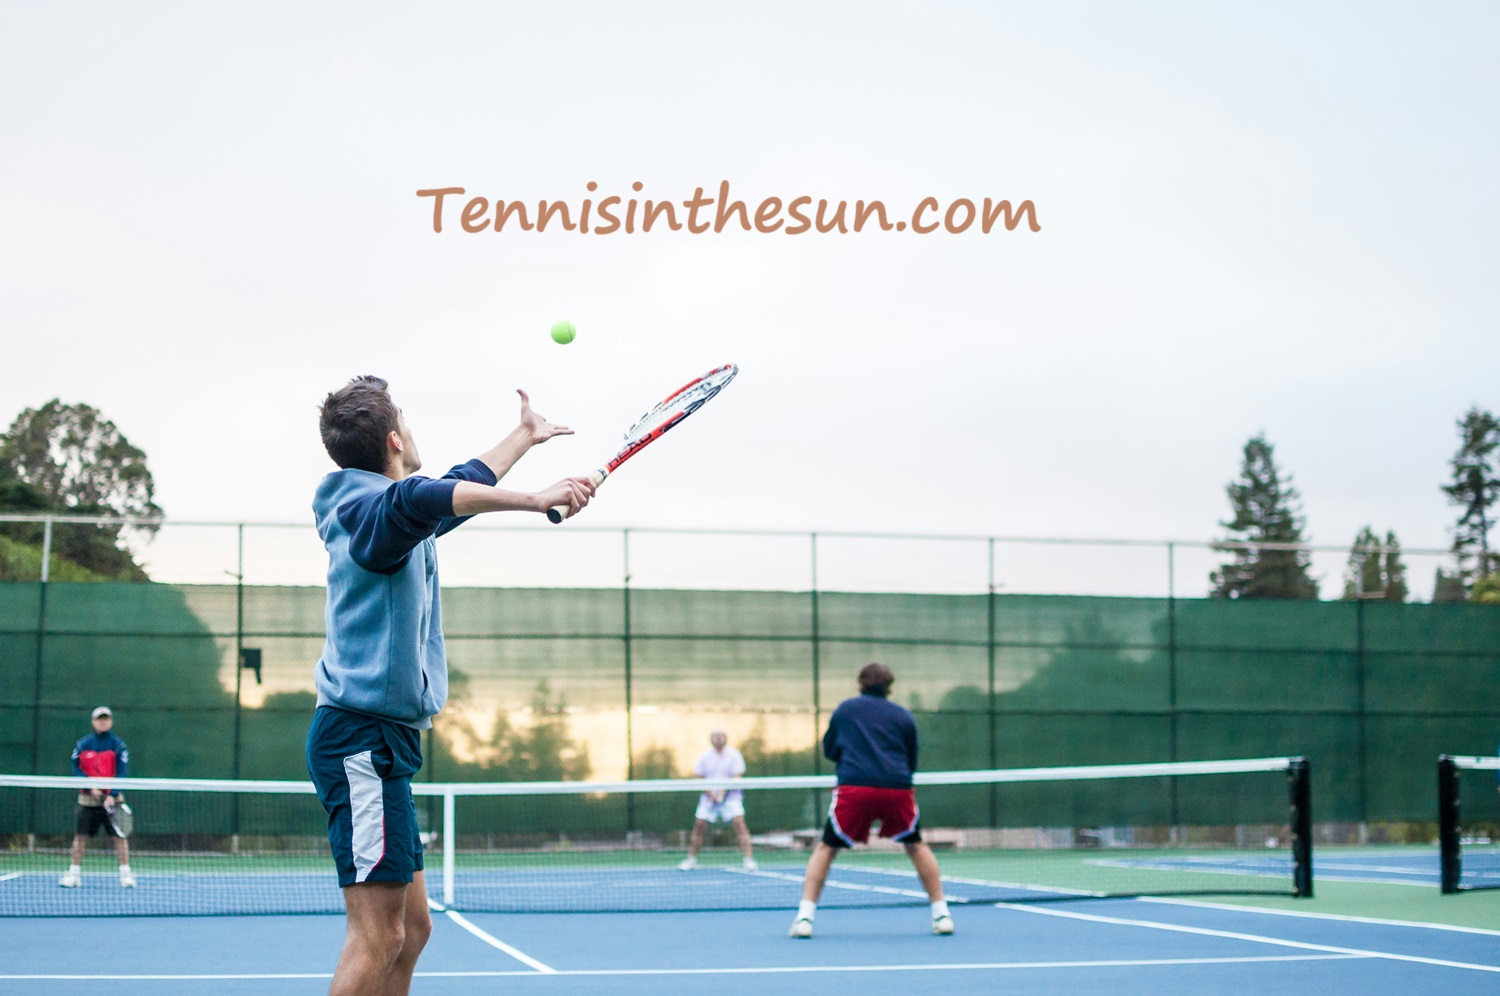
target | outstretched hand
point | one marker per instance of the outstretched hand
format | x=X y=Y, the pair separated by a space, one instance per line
x=538 y=428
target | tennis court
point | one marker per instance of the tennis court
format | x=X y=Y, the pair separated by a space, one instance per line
x=1135 y=945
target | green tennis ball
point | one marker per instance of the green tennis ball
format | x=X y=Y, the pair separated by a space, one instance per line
x=563 y=332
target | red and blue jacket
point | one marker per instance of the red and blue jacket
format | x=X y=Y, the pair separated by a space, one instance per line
x=101 y=755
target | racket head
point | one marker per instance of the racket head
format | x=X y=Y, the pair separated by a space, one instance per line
x=121 y=819
x=680 y=404
x=664 y=415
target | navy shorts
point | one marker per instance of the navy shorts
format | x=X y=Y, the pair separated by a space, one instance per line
x=362 y=768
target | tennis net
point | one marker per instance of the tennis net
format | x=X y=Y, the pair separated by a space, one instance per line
x=203 y=847
x=1469 y=822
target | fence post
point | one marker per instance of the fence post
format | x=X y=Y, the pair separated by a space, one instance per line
x=1299 y=786
x=450 y=846
x=629 y=695
x=37 y=674
x=1450 y=859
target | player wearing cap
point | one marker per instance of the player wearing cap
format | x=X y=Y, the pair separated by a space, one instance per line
x=101 y=754
x=719 y=805
x=383 y=674
x=873 y=741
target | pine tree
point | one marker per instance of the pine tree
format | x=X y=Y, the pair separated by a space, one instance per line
x=1396 y=588
x=1448 y=587
x=1266 y=510
x=1362 y=576
x=1375 y=569
x=1476 y=485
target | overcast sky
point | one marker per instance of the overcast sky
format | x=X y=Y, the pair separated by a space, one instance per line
x=1272 y=217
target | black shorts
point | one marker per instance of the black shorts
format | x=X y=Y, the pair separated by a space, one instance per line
x=90 y=820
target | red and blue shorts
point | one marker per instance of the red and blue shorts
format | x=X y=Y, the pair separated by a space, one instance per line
x=855 y=809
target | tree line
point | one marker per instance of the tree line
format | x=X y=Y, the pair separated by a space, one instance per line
x=1267 y=531
x=70 y=459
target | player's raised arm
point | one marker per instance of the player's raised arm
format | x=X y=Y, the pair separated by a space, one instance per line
x=532 y=431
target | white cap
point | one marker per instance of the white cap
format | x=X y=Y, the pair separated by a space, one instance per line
x=103 y=711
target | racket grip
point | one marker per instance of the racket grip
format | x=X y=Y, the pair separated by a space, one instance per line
x=557 y=513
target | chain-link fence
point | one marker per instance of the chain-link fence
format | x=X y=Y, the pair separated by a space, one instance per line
x=609 y=654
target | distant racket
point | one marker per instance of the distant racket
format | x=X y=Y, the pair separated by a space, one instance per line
x=651 y=426
x=121 y=819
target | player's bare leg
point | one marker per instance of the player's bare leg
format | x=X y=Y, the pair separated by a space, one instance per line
x=817 y=871
x=375 y=937
x=812 y=888
x=695 y=844
x=742 y=834
x=925 y=863
x=418 y=923
x=122 y=852
x=73 y=877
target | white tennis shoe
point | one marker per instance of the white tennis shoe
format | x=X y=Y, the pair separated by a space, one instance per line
x=802 y=927
x=70 y=880
x=688 y=864
x=127 y=881
x=750 y=865
x=942 y=925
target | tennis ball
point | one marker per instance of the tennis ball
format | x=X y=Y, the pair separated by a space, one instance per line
x=563 y=332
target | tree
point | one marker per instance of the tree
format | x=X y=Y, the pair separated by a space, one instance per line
x=1486 y=590
x=1375 y=569
x=1448 y=587
x=1476 y=485
x=70 y=459
x=1266 y=510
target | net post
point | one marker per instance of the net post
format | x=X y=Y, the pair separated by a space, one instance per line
x=1450 y=858
x=450 y=846
x=1299 y=788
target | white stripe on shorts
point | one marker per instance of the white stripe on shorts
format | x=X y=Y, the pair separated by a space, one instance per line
x=366 y=812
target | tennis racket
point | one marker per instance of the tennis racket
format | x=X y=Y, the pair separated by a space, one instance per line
x=121 y=819
x=653 y=425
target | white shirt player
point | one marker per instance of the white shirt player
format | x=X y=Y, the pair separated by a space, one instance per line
x=726 y=763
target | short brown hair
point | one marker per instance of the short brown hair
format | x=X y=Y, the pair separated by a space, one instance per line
x=876 y=679
x=355 y=421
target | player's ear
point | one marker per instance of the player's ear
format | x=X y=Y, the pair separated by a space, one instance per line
x=393 y=440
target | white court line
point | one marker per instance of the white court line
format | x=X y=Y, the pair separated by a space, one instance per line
x=491 y=940
x=7 y=878
x=758 y=970
x=1319 y=916
x=834 y=883
x=1257 y=938
x=991 y=884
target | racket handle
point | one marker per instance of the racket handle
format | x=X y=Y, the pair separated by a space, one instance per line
x=557 y=513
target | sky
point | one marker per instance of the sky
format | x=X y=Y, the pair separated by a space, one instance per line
x=1268 y=218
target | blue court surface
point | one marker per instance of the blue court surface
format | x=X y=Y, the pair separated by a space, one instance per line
x=1140 y=945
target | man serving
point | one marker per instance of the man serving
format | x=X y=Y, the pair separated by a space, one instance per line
x=719 y=805
x=383 y=674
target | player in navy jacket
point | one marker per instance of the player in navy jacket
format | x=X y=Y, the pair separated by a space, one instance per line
x=101 y=754
x=383 y=674
x=873 y=742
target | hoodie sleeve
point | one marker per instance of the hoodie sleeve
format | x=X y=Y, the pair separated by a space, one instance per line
x=831 y=748
x=122 y=758
x=475 y=471
x=77 y=750
x=384 y=527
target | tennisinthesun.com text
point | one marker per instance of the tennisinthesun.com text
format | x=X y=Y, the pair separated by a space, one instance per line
x=454 y=210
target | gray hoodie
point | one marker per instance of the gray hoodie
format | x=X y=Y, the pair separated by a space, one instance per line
x=383 y=654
